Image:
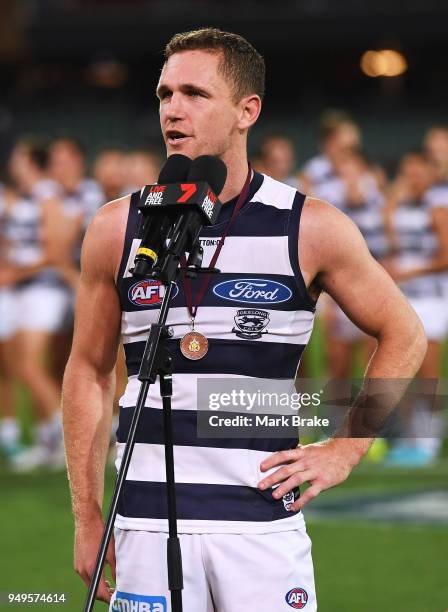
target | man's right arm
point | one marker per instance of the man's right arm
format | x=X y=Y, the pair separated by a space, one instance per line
x=89 y=382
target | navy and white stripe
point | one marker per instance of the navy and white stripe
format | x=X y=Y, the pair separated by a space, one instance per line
x=23 y=231
x=437 y=197
x=417 y=244
x=318 y=169
x=367 y=216
x=260 y=278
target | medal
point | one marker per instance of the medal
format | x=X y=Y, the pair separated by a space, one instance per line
x=194 y=345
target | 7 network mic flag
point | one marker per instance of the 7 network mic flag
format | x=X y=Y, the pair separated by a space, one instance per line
x=184 y=199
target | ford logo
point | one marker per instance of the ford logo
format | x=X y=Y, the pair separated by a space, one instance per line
x=253 y=291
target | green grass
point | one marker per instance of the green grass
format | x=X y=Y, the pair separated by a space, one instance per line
x=360 y=566
x=368 y=568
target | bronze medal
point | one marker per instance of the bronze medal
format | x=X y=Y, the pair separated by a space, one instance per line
x=194 y=345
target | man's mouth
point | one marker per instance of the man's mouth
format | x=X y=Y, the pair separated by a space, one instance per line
x=174 y=137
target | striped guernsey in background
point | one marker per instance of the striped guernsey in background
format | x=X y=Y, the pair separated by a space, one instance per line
x=258 y=318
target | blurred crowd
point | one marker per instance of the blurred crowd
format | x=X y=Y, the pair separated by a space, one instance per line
x=47 y=200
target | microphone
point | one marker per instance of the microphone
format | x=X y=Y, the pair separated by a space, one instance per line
x=210 y=169
x=179 y=209
x=175 y=169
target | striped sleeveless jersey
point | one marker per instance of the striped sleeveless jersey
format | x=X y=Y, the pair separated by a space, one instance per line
x=417 y=243
x=24 y=233
x=367 y=216
x=216 y=479
x=437 y=197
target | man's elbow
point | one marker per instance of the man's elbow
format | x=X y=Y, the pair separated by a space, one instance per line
x=405 y=335
x=418 y=342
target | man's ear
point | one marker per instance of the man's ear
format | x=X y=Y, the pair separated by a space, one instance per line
x=249 y=110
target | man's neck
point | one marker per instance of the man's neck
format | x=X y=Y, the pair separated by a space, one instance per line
x=237 y=168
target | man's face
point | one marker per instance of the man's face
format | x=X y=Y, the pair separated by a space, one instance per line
x=416 y=173
x=65 y=162
x=278 y=155
x=109 y=170
x=436 y=145
x=198 y=115
x=19 y=164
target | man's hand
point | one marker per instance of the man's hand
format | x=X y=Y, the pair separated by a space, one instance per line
x=87 y=543
x=323 y=465
x=8 y=276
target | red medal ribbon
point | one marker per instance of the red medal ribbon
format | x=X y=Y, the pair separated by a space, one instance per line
x=192 y=309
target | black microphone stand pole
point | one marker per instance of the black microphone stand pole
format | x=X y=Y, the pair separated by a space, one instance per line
x=156 y=362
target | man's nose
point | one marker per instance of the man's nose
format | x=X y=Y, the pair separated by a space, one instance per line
x=175 y=109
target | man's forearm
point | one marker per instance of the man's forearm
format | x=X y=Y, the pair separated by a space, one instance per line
x=87 y=414
x=395 y=362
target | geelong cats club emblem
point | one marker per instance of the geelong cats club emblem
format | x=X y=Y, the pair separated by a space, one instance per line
x=250 y=323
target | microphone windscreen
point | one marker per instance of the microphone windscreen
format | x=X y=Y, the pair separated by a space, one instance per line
x=175 y=169
x=210 y=169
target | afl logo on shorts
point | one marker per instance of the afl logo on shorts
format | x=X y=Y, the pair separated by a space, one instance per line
x=296 y=598
x=148 y=293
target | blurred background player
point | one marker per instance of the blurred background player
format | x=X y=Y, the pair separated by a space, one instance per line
x=80 y=197
x=277 y=159
x=142 y=167
x=353 y=188
x=10 y=430
x=338 y=135
x=38 y=295
x=109 y=170
x=419 y=243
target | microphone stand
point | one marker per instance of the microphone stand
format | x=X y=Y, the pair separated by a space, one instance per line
x=156 y=361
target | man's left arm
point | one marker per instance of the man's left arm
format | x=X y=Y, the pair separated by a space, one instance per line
x=334 y=258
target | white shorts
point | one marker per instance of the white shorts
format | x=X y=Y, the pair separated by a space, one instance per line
x=433 y=313
x=7 y=315
x=42 y=308
x=221 y=572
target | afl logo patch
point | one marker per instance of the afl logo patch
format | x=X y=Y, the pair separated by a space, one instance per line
x=253 y=291
x=148 y=293
x=296 y=598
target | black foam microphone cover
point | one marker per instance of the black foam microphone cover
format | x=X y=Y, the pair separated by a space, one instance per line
x=175 y=169
x=210 y=169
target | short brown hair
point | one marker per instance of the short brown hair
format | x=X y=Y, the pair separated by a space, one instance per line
x=241 y=63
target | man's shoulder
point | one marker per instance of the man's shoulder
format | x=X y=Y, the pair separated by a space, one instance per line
x=108 y=226
x=106 y=233
x=114 y=213
x=325 y=230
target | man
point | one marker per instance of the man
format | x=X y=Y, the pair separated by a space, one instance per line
x=338 y=135
x=278 y=158
x=234 y=527
x=141 y=168
x=418 y=232
x=38 y=294
x=353 y=189
x=109 y=171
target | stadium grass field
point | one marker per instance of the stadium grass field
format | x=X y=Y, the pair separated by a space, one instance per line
x=361 y=565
